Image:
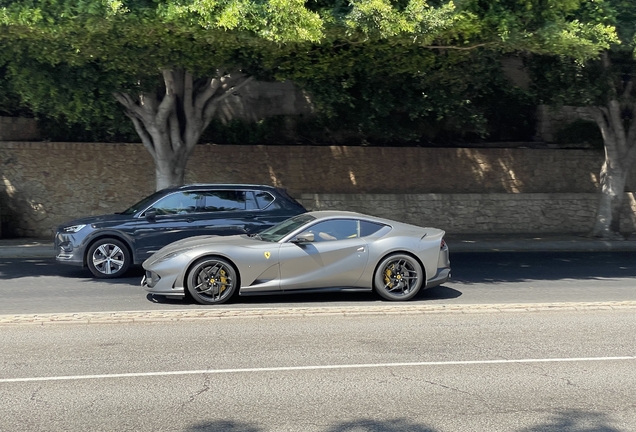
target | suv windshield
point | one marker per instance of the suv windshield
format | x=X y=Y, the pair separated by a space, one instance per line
x=279 y=231
x=143 y=204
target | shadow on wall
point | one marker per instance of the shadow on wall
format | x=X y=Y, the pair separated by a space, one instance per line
x=46 y=184
x=399 y=170
x=16 y=208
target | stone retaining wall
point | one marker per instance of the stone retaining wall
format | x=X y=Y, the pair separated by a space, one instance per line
x=45 y=184
x=480 y=213
x=18 y=129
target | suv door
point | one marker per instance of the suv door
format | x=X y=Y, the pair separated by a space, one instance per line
x=173 y=220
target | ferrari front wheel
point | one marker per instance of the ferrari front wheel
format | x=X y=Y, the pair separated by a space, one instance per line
x=398 y=277
x=212 y=281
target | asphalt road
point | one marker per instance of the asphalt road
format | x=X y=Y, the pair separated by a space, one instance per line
x=32 y=286
x=519 y=372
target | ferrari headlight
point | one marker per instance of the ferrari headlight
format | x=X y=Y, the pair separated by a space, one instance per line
x=74 y=228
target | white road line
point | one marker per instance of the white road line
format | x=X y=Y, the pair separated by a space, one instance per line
x=311 y=368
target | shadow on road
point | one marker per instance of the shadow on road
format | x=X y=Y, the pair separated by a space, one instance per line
x=15 y=268
x=497 y=267
x=566 y=421
x=575 y=421
x=364 y=425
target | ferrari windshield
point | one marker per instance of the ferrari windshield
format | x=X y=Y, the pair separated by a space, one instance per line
x=279 y=231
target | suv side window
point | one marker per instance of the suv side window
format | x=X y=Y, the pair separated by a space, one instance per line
x=263 y=199
x=340 y=229
x=177 y=203
x=250 y=201
x=223 y=200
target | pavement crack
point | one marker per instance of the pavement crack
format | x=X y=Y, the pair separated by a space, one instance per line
x=34 y=395
x=473 y=395
x=205 y=388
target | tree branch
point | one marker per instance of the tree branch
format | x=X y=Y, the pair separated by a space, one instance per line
x=167 y=104
x=616 y=123
x=210 y=108
x=146 y=140
x=130 y=105
x=203 y=97
x=627 y=90
x=188 y=90
x=231 y=90
x=630 y=159
x=601 y=116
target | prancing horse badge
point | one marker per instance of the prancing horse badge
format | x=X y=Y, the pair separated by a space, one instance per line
x=267 y=255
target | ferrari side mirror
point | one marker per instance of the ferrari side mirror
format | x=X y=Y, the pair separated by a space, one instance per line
x=303 y=238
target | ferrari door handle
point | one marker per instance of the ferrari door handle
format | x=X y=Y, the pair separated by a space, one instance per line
x=361 y=249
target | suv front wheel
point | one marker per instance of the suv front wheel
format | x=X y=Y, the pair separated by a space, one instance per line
x=108 y=258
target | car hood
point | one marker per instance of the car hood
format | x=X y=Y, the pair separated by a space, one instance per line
x=88 y=220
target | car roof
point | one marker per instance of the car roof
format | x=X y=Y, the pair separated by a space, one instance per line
x=194 y=186
x=338 y=214
x=332 y=214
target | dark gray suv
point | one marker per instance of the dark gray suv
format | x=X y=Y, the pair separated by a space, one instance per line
x=109 y=244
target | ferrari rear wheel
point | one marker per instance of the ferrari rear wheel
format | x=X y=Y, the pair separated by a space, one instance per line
x=398 y=277
x=212 y=281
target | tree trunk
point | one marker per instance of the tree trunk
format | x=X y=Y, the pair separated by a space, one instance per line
x=619 y=139
x=608 y=213
x=171 y=121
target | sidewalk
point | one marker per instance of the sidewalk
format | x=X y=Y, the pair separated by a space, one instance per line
x=43 y=248
x=536 y=243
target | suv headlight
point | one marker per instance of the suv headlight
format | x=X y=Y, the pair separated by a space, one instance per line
x=73 y=229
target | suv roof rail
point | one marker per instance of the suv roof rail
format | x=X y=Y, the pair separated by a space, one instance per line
x=226 y=185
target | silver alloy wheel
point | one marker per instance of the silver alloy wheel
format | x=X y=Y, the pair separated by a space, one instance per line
x=212 y=281
x=398 y=277
x=108 y=258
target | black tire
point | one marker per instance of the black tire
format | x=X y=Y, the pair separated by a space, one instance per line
x=212 y=280
x=108 y=258
x=398 y=277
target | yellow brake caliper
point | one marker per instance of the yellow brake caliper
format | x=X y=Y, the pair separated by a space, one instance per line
x=387 y=278
x=223 y=280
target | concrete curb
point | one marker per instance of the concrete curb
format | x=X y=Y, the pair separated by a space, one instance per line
x=541 y=245
x=300 y=312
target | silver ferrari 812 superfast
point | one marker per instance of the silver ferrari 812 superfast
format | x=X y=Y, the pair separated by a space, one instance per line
x=315 y=251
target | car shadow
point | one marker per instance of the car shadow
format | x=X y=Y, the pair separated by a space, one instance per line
x=568 y=420
x=342 y=297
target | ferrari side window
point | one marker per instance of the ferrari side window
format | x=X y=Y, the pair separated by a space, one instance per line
x=369 y=228
x=340 y=229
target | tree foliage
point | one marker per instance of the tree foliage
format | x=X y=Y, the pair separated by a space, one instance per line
x=605 y=86
x=369 y=55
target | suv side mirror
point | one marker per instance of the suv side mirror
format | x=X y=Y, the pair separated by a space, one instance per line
x=151 y=214
x=303 y=238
